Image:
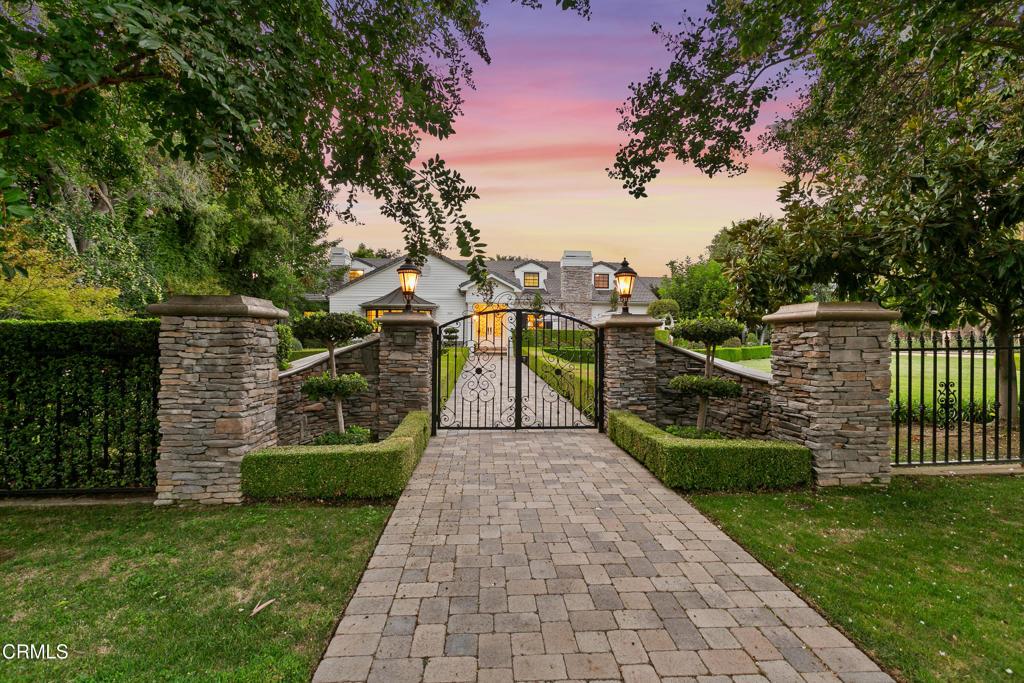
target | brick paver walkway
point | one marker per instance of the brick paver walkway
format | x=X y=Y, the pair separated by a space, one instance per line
x=552 y=555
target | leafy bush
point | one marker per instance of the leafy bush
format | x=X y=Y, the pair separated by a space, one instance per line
x=698 y=385
x=331 y=329
x=78 y=404
x=664 y=336
x=744 y=353
x=711 y=464
x=708 y=331
x=691 y=432
x=664 y=309
x=285 y=342
x=450 y=337
x=324 y=386
x=373 y=470
x=573 y=354
x=354 y=434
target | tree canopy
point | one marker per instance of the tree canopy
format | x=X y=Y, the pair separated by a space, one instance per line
x=699 y=287
x=339 y=93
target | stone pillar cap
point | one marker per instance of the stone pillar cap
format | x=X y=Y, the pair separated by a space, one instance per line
x=233 y=306
x=630 y=320
x=840 y=310
x=407 y=320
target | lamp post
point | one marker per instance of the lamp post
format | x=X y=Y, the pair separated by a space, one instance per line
x=625 y=278
x=408 y=276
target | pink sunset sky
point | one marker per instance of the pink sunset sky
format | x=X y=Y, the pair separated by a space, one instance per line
x=540 y=129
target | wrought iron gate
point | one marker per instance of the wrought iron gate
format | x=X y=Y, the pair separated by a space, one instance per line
x=517 y=368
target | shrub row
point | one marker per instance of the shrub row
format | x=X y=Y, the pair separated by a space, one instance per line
x=573 y=354
x=374 y=470
x=555 y=337
x=711 y=464
x=578 y=389
x=738 y=353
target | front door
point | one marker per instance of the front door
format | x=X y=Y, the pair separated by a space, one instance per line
x=503 y=368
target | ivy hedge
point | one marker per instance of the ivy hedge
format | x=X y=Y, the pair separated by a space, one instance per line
x=374 y=470
x=78 y=404
x=711 y=464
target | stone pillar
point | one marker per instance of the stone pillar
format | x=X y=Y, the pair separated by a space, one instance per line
x=218 y=393
x=405 y=368
x=830 y=387
x=630 y=365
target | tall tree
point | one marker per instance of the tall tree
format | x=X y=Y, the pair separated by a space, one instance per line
x=699 y=287
x=345 y=90
x=904 y=147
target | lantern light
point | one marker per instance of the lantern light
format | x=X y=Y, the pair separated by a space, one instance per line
x=625 y=278
x=408 y=277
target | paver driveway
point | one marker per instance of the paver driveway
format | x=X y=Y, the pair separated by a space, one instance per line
x=551 y=555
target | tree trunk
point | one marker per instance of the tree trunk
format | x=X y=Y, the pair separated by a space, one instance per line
x=702 y=403
x=1006 y=371
x=333 y=366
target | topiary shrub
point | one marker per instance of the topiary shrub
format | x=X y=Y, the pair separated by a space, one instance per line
x=332 y=330
x=706 y=387
x=710 y=332
x=450 y=337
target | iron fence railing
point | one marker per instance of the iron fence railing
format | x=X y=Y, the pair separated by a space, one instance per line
x=956 y=399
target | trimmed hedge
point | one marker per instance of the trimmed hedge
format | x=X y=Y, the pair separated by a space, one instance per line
x=738 y=353
x=711 y=464
x=578 y=389
x=555 y=337
x=374 y=470
x=573 y=354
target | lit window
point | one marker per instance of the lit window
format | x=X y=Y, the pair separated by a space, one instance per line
x=353 y=274
x=531 y=279
x=601 y=280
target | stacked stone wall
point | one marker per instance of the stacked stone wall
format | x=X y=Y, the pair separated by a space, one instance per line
x=747 y=416
x=630 y=365
x=300 y=420
x=406 y=360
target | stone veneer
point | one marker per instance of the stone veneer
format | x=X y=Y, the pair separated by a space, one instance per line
x=577 y=285
x=218 y=393
x=300 y=420
x=830 y=387
x=747 y=416
x=630 y=365
x=406 y=358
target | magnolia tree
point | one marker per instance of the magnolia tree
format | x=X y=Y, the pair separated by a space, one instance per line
x=711 y=332
x=333 y=330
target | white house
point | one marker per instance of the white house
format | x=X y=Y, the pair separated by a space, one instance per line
x=576 y=285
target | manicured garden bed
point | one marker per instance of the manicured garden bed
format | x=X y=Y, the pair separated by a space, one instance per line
x=926 y=575
x=369 y=470
x=167 y=594
x=710 y=464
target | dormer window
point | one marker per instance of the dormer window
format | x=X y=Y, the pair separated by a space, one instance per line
x=531 y=279
x=601 y=281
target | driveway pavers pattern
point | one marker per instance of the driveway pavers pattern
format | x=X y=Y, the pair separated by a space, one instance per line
x=553 y=555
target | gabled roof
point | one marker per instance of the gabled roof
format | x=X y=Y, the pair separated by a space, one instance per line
x=338 y=286
x=395 y=299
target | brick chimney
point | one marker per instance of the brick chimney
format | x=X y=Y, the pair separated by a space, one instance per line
x=577 y=284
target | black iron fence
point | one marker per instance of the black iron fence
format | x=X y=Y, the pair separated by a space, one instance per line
x=956 y=399
x=78 y=406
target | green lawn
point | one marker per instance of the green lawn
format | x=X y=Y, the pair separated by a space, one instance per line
x=927 y=575
x=910 y=377
x=167 y=594
x=452 y=362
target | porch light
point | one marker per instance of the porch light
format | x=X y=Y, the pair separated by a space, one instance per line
x=408 y=277
x=625 y=278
